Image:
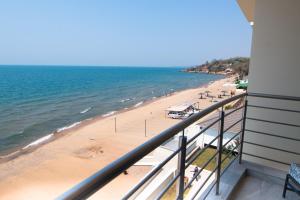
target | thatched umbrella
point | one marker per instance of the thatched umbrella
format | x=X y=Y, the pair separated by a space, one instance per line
x=201 y=95
x=212 y=98
x=207 y=91
x=224 y=92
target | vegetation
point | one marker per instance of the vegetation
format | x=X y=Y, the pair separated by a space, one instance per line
x=207 y=154
x=200 y=161
x=228 y=107
x=239 y=65
x=171 y=193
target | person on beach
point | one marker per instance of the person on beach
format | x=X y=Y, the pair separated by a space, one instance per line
x=232 y=93
x=195 y=173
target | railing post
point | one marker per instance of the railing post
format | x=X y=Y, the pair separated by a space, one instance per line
x=243 y=132
x=181 y=166
x=219 y=149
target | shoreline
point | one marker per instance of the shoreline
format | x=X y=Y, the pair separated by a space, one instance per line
x=62 y=131
x=77 y=153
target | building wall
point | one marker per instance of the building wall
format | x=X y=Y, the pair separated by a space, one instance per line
x=275 y=69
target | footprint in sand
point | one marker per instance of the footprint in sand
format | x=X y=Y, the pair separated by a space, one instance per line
x=89 y=152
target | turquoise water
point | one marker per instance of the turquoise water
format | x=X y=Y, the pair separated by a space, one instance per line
x=38 y=100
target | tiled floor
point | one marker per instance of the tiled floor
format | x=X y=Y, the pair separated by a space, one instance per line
x=252 y=188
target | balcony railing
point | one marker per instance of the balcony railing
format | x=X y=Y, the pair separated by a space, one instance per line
x=277 y=137
x=95 y=182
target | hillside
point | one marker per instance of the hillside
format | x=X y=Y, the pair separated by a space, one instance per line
x=239 y=65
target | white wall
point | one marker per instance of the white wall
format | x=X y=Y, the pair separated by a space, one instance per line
x=275 y=69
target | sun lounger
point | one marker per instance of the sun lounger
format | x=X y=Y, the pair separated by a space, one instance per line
x=292 y=181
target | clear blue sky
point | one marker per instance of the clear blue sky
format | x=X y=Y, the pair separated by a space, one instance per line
x=121 y=32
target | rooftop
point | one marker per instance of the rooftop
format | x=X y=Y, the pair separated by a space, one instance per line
x=179 y=108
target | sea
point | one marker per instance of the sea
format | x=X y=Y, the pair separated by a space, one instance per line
x=37 y=102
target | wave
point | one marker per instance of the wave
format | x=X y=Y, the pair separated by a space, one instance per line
x=67 y=127
x=10 y=154
x=39 y=141
x=138 y=104
x=125 y=100
x=154 y=97
x=109 y=114
x=86 y=110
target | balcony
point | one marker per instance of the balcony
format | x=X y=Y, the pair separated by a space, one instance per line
x=231 y=164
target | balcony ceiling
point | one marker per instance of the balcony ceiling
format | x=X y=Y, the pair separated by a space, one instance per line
x=247 y=6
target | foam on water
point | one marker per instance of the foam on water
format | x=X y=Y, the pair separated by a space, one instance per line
x=125 y=100
x=39 y=141
x=109 y=114
x=138 y=104
x=67 y=127
x=86 y=110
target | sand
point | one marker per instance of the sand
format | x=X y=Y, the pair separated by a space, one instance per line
x=53 y=168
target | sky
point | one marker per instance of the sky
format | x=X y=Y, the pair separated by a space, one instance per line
x=121 y=32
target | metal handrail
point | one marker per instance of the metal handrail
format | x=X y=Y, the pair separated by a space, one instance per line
x=272 y=96
x=273 y=122
x=235 y=135
x=274 y=148
x=191 y=160
x=202 y=168
x=232 y=125
x=277 y=97
x=269 y=159
x=161 y=194
x=152 y=173
x=273 y=108
x=273 y=135
x=223 y=171
x=220 y=148
x=233 y=111
x=231 y=151
x=203 y=130
x=195 y=195
x=93 y=183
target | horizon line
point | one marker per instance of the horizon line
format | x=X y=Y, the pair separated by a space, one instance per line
x=81 y=65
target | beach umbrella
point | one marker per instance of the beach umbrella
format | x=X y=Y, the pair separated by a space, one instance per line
x=212 y=98
x=207 y=91
x=201 y=95
x=224 y=92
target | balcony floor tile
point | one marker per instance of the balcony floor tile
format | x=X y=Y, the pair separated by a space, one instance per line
x=255 y=188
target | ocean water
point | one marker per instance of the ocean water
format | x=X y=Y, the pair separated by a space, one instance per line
x=38 y=100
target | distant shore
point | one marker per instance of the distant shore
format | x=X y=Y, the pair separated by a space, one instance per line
x=205 y=72
x=66 y=158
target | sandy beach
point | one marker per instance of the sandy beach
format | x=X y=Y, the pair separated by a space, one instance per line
x=53 y=168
